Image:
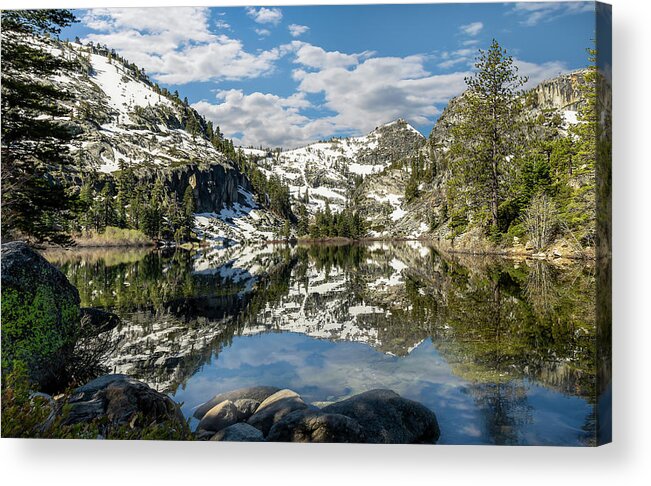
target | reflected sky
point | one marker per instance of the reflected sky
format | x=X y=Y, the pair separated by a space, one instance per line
x=502 y=351
x=324 y=371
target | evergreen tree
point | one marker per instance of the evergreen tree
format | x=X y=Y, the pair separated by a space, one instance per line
x=34 y=205
x=487 y=137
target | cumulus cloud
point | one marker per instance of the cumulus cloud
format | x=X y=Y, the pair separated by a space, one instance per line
x=264 y=118
x=539 y=72
x=316 y=57
x=296 y=30
x=379 y=90
x=472 y=29
x=265 y=15
x=159 y=40
x=532 y=13
x=263 y=32
x=460 y=56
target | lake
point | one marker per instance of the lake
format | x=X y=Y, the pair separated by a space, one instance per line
x=503 y=351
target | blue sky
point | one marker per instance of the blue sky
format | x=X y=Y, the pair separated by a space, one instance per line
x=286 y=76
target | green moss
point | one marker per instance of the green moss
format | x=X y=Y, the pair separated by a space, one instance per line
x=38 y=329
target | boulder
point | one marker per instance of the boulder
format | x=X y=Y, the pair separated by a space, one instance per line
x=387 y=418
x=219 y=417
x=274 y=408
x=240 y=432
x=99 y=319
x=316 y=426
x=245 y=408
x=40 y=316
x=258 y=393
x=120 y=400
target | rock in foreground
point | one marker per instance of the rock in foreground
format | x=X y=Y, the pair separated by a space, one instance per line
x=121 y=400
x=40 y=316
x=257 y=393
x=316 y=426
x=240 y=432
x=388 y=418
x=376 y=416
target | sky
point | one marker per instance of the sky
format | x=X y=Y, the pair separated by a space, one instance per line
x=288 y=76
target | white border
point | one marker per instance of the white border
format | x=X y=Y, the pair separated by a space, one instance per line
x=624 y=462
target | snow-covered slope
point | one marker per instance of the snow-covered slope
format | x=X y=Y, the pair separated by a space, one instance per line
x=123 y=120
x=325 y=171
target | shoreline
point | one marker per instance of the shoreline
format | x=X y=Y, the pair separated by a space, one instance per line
x=507 y=252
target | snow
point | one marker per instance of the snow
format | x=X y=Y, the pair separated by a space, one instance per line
x=570 y=117
x=111 y=79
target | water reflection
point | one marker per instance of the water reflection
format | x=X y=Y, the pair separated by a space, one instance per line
x=503 y=351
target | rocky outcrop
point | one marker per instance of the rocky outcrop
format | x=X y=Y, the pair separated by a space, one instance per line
x=562 y=92
x=121 y=400
x=376 y=416
x=40 y=316
x=215 y=185
x=388 y=418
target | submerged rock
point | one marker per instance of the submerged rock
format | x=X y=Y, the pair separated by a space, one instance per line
x=40 y=316
x=316 y=426
x=258 y=393
x=240 y=432
x=388 y=418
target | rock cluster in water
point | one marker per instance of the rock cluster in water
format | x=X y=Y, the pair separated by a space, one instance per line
x=270 y=414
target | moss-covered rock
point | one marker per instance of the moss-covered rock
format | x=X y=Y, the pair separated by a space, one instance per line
x=40 y=316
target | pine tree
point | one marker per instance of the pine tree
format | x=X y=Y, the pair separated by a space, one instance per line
x=34 y=205
x=487 y=137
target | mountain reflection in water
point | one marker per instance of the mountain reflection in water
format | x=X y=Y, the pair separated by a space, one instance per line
x=502 y=350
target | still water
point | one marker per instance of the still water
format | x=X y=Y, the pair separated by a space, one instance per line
x=502 y=351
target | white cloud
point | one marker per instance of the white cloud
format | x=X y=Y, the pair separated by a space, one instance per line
x=263 y=32
x=316 y=57
x=159 y=40
x=221 y=24
x=539 y=72
x=472 y=29
x=378 y=90
x=460 y=56
x=533 y=13
x=263 y=118
x=296 y=30
x=265 y=15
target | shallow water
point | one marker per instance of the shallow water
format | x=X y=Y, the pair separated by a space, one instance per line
x=502 y=351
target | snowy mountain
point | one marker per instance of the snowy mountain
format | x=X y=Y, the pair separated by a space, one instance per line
x=123 y=120
x=326 y=171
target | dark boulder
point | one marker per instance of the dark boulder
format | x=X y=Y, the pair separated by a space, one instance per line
x=120 y=400
x=387 y=418
x=40 y=316
x=257 y=393
x=99 y=319
x=240 y=432
x=274 y=408
x=316 y=426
